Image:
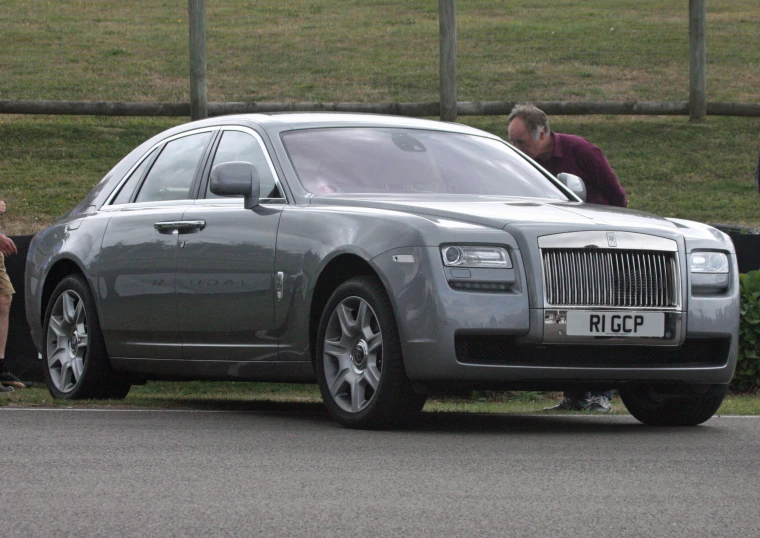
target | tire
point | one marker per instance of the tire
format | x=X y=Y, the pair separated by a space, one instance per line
x=360 y=368
x=656 y=406
x=76 y=364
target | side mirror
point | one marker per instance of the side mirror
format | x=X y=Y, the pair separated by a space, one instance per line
x=236 y=178
x=574 y=183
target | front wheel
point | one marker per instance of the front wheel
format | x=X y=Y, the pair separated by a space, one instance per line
x=76 y=362
x=359 y=364
x=661 y=406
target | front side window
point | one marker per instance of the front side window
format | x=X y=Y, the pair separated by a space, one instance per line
x=171 y=176
x=396 y=161
x=240 y=146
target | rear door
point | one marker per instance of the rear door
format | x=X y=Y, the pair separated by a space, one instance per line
x=138 y=256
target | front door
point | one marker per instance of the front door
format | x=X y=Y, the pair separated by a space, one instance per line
x=225 y=271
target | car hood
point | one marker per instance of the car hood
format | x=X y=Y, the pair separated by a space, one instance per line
x=498 y=212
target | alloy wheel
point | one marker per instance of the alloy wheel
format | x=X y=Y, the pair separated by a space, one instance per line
x=353 y=354
x=67 y=341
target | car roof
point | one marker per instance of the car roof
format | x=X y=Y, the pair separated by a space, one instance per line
x=311 y=120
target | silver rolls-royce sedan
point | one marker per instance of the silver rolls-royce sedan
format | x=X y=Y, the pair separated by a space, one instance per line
x=385 y=258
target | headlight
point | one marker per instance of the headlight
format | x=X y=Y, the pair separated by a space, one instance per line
x=709 y=262
x=476 y=257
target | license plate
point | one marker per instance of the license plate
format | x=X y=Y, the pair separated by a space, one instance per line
x=619 y=324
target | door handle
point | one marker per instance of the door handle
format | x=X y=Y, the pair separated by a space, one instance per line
x=190 y=226
x=180 y=226
x=167 y=227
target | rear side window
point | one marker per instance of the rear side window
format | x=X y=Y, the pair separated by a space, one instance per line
x=129 y=187
x=171 y=177
x=240 y=146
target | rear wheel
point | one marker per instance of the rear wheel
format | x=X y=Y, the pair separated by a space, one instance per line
x=360 y=367
x=76 y=362
x=662 y=406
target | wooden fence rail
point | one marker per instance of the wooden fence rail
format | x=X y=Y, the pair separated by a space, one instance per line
x=427 y=109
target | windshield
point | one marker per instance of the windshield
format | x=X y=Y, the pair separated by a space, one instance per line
x=392 y=160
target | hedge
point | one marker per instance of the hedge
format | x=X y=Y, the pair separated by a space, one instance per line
x=747 y=377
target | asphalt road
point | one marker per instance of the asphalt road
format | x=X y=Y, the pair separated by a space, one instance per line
x=290 y=471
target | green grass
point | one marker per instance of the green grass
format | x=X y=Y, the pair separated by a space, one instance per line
x=253 y=396
x=668 y=166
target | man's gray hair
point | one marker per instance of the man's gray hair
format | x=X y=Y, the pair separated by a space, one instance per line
x=534 y=118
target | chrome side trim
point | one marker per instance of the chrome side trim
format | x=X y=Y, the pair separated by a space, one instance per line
x=279 y=284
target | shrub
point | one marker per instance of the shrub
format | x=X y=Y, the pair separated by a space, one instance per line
x=747 y=375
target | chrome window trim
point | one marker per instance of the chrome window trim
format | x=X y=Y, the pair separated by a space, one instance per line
x=235 y=202
x=145 y=156
x=272 y=169
x=153 y=204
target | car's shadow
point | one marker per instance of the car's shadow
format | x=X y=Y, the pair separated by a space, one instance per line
x=448 y=422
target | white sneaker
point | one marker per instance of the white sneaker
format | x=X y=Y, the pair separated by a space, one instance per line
x=599 y=404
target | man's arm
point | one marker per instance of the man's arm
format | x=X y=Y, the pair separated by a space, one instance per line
x=601 y=173
x=7 y=246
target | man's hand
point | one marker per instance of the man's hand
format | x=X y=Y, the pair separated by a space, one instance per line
x=7 y=246
x=2 y=207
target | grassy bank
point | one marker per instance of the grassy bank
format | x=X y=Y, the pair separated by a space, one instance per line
x=668 y=166
x=258 y=396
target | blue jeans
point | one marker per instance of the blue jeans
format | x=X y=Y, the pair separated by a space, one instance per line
x=586 y=395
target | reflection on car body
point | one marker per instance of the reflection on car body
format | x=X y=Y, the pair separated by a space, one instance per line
x=385 y=258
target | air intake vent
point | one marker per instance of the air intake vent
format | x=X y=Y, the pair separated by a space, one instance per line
x=616 y=278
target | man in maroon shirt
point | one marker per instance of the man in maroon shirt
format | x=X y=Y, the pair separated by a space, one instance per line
x=529 y=131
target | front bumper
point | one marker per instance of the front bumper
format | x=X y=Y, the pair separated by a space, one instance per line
x=438 y=323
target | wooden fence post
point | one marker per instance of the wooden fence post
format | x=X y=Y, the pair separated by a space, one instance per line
x=198 y=94
x=697 y=61
x=448 y=66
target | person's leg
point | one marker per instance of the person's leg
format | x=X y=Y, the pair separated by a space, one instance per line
x=6 y=296
x=5 y=308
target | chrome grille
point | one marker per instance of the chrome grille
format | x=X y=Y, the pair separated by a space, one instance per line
x=602 y=277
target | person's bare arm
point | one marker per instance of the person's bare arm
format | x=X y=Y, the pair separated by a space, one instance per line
x=2 y=207
x=7 y=246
